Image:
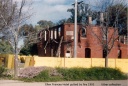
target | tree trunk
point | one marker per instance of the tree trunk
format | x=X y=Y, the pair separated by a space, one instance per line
x=16 y=66
x=16 y=61
x=106 y=57
x=106 y=61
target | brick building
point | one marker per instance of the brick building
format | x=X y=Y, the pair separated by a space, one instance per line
x=59 y=41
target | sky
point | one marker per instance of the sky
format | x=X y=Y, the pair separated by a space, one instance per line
x=51 y=10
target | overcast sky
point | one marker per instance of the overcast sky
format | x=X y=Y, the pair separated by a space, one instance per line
x=53 y=10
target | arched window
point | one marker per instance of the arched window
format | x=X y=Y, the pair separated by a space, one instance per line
x=83 y=32
x=68 y=51
x=87 y=53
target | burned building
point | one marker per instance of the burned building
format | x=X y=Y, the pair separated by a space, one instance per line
x=58 y=41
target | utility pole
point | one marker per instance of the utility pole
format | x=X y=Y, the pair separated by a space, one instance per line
x=127 y=30
x=75 y=31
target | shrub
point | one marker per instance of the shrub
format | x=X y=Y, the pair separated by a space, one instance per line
x=70 y=74
x=107 y=73
x=95 y=73
x=2 y=70
x=22 y=60
x=48 y=75
x=43 y=76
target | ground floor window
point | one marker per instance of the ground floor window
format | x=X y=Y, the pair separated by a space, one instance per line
x=119 y=53
x=68 y=54
x=87 y=53
x=104 y=53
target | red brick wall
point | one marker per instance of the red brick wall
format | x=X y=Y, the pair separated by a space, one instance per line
x=124 y=50
x=90 y=41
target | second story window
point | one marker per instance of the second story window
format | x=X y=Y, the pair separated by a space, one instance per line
x=59 y=31
x=45 y=34
x=83 y=32
x=51 y=34
x=55 y=34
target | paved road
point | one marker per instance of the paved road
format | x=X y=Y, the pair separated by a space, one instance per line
x=65 y=83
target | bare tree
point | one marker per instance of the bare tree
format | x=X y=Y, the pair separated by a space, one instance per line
x=109 y=24
x=11 y=23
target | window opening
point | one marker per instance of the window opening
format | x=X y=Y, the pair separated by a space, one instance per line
x=87 y=52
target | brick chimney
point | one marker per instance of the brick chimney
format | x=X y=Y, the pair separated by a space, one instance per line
x=125 y=40
x=101 y=17
x=90 y=20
